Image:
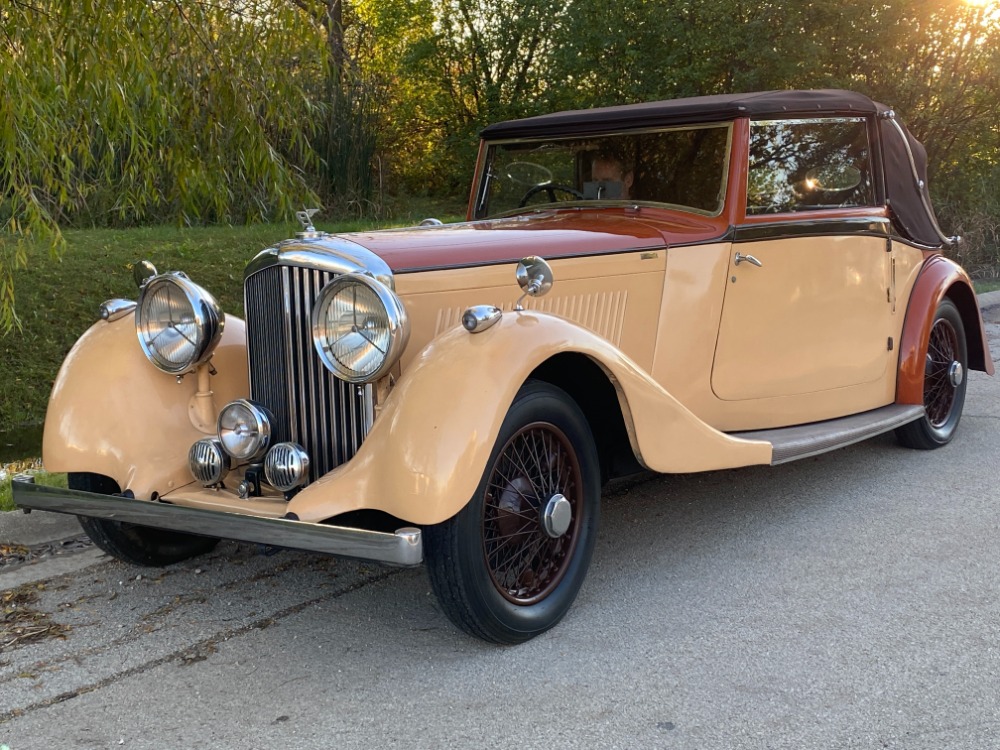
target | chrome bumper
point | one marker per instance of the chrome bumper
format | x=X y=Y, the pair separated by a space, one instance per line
x=403 y=548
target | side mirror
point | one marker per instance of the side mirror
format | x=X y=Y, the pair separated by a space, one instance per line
x=534 y=276
x=142 y=271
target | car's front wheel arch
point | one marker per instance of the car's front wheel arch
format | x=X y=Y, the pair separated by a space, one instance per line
x=589 y=385
x=508 y=566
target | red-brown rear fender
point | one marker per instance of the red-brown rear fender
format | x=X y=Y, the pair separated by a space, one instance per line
x=940 y=278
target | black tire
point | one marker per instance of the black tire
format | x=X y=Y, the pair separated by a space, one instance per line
x=943 y=398
x=139 y=545
x=498 y=574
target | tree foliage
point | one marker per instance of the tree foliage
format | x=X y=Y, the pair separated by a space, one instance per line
x=122 y=113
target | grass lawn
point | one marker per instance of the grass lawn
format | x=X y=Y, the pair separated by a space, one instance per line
x=990 y=285
x=57 y=300
x=41 y=477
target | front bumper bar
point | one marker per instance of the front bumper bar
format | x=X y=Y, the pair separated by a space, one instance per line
x=403 y=548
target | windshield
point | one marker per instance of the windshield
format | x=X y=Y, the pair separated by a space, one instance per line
x=682 y=168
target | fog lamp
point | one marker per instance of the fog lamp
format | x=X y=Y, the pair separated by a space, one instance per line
x=208 y=461
x=244 y=429
x=286 y=466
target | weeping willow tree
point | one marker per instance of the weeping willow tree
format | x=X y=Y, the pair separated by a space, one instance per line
x=118 y=113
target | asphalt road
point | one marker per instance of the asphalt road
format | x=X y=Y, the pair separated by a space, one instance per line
x=846 y=601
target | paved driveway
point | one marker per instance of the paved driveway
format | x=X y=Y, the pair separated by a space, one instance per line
x=846 y=601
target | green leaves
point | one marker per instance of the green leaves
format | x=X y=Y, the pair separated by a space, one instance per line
x=129 y=113
x=121 y=113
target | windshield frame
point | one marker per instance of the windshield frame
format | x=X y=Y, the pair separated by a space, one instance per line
x=480 y=193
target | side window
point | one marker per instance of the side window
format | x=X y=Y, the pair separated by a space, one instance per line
x=804 y=165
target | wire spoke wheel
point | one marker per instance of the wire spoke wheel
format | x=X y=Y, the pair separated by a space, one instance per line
x=525 y=561
x=939 y=390
x=945 y=382
x=509 y=564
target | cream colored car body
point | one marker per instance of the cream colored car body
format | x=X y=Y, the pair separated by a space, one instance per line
x=695 y=344
x=113 y=414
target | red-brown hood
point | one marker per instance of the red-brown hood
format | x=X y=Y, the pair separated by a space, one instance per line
x=557 y=234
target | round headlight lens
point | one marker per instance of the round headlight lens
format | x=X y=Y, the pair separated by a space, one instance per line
x=244 y=429
x=359 y=328
x=178 y=323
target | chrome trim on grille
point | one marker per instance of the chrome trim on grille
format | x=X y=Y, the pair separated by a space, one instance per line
x=327 y=416
x=335 y=255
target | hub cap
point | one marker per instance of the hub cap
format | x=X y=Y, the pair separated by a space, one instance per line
x=956 y=374
x=531 y=514
x=557 y=516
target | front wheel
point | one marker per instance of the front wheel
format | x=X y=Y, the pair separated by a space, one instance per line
x=508 y=566
x=139 y=545
x=945 y=372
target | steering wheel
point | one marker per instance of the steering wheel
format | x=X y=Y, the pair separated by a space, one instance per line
x=550 y=189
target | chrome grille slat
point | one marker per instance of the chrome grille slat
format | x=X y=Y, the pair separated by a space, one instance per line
x=327 y=416
x=312 y=377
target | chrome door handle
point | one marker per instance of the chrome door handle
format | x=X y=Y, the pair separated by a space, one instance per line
x=749 y=259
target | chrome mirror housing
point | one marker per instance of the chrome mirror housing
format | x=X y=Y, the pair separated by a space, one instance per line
x=142 y=272
x=534 y=276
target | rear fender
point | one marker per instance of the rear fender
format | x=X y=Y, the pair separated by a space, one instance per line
x=431 y=442
x=113 y=413
x=940 y=278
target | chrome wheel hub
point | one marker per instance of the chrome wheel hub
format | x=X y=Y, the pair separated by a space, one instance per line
x=956 y=374
x=557 y=516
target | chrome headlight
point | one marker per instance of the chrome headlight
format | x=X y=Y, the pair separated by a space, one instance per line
x=359 y=328
x=179 y=324
x=244 y=429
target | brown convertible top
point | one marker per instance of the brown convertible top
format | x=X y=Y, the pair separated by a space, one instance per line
x=695 y=109
x=910 y=218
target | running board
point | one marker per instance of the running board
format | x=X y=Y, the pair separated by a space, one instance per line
x=803 y=441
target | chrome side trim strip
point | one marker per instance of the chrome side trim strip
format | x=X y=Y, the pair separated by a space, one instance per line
x=403 y=548
x=875 y=225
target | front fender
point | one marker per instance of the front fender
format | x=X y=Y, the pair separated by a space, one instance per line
x=430 y=444
x=113 y=413
x=939 y=278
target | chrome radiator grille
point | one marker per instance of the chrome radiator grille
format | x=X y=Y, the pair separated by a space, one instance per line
x=325 y=415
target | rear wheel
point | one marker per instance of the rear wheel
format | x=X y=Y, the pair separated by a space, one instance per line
x=139 y=545
x=945 y=371
x=508 y=566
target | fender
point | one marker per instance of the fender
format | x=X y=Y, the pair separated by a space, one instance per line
x=939 y=278
x=112 y=412
x=431 y=442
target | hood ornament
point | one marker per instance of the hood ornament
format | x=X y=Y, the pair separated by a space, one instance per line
x=305 y=219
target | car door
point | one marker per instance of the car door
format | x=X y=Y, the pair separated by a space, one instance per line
x=807 y=306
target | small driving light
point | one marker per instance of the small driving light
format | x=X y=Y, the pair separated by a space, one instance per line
x=244 y=430
x=286 y=466
x=208 y=461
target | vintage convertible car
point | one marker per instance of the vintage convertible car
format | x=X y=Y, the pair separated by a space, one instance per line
x=702 y=284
